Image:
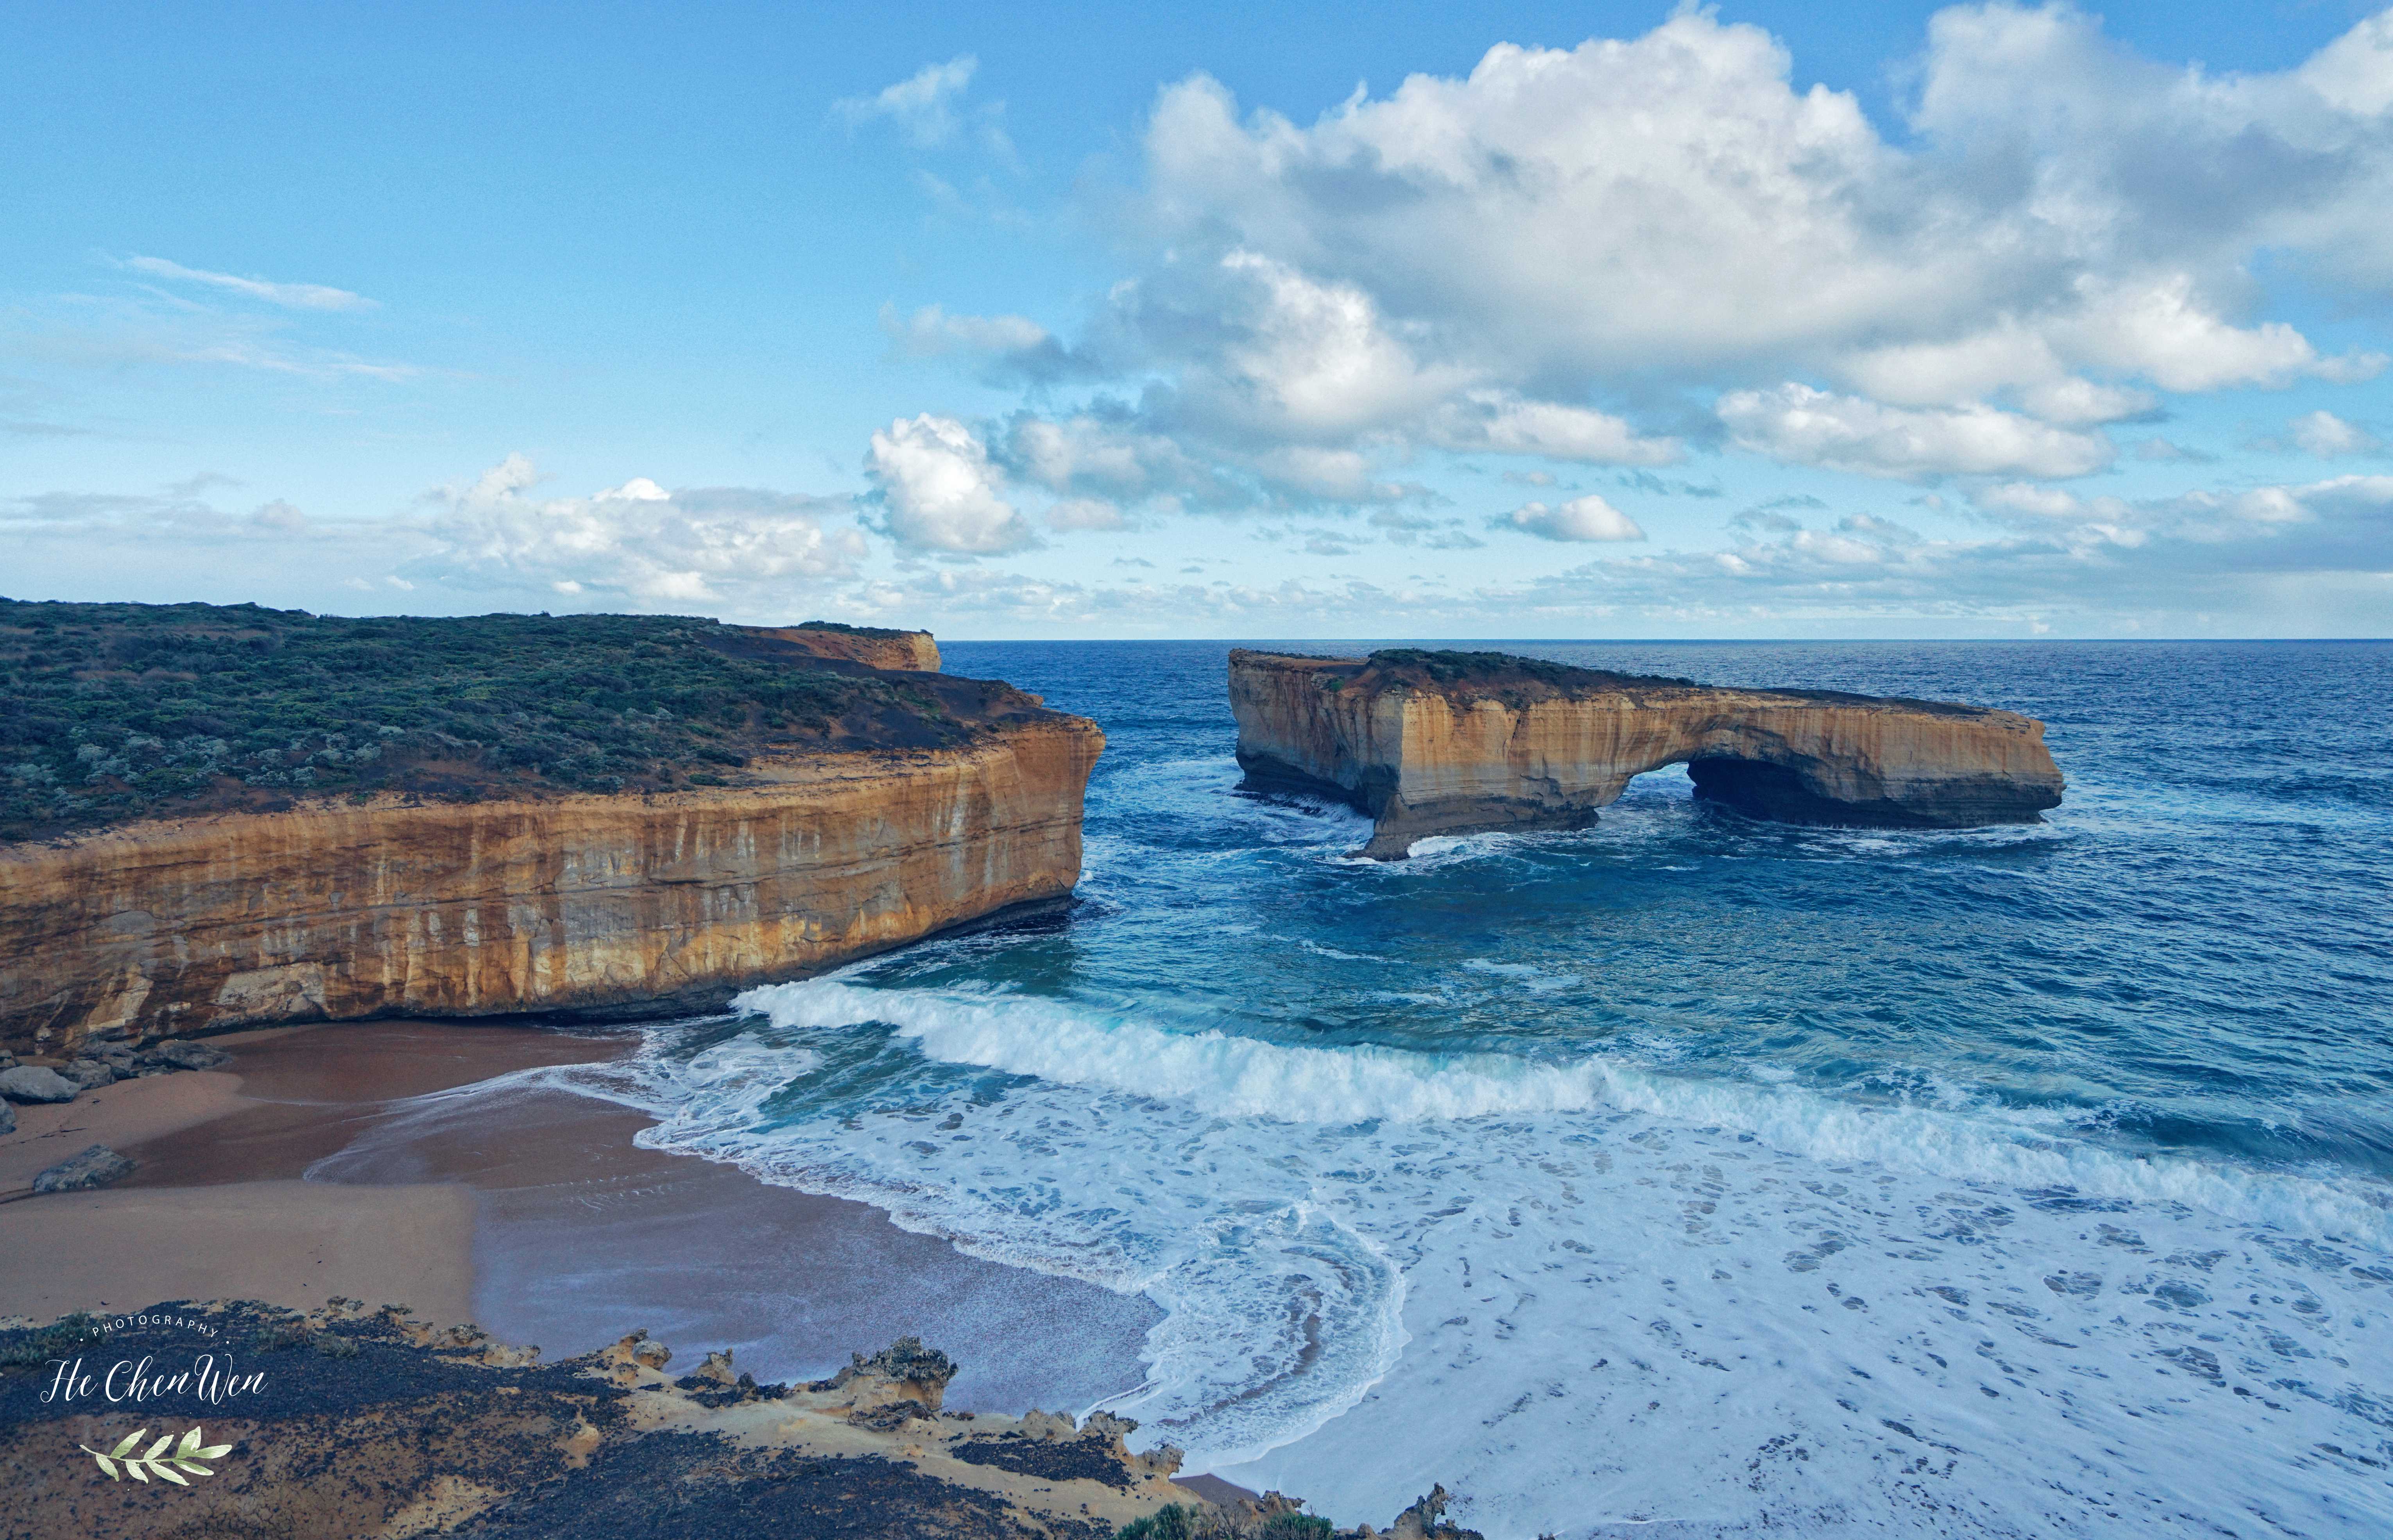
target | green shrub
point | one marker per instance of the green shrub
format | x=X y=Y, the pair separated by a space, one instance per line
x=1181 y=1521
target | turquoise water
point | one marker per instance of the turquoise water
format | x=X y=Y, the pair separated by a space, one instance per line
x=2025 y=1181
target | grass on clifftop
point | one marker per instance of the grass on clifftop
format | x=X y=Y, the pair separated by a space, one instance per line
x=1448 y=667
x=121 y=712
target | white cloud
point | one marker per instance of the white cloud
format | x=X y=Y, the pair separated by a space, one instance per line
x=2206 y=515
x=296 y=296
x=1085 y=513
x=1499 y=422
x=2327 y=435
x=1582 y=518
x=1799 y=426
x=942 y=491
x=1480 y=264
x=1301 y=358
x=932 y=333
x=927 y=106
x=657 y=546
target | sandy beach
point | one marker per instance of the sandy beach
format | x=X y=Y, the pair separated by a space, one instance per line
x=325 y=1161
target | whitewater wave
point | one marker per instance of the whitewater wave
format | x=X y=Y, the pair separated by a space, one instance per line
x=1226 y=1076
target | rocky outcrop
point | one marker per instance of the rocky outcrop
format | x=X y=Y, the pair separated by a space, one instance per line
x=347 y=1422
x=871 y=645
x=338 y=909
x=1443 y=743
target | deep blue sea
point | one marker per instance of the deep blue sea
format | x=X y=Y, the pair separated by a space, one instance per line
x=2030 y=1181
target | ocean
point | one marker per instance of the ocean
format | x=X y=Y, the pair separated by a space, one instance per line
x=2029 y=1181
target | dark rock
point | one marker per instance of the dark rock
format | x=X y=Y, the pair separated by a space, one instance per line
x=187 y=1055
x=32 y=1083
x=906 y=1362
x=97 y=1166
x=90 y=1074
x=7 y=1118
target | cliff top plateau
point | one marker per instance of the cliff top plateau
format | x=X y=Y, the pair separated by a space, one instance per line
x=121 y=712
x=1517 y=681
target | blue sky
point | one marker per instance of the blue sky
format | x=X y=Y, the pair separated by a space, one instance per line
x=1588 y=320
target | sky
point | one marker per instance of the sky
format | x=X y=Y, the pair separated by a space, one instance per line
x=1063 y=321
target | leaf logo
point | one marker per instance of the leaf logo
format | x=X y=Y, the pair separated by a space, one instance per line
x=159 y=1462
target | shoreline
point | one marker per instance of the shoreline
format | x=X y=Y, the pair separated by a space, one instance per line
x=311 y=1168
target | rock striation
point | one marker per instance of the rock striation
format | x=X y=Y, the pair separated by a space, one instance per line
x=1445 y=743
x=338 y=909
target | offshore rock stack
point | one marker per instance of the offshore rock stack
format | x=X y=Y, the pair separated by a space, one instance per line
x=1454 y=742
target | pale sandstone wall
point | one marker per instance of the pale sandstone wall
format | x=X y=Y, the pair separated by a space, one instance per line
x=335 y=912
x=1425 y=761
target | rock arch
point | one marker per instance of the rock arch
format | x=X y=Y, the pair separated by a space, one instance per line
x=1444 y=742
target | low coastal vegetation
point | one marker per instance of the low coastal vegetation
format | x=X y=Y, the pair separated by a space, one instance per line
x=1496 y=669
x=120 y=712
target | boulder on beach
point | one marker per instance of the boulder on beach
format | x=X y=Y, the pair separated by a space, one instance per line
x=188 y=1056
x=96 y=1167
x=90 y=1074
x=33 y=1083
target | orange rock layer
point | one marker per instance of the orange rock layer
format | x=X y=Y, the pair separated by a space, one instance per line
x=1538 y=747
x=576 y=904
x=914 y=650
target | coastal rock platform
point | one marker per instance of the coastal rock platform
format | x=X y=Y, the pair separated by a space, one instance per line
x=357 y=1421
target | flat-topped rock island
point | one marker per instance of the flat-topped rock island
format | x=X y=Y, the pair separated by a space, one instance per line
x=1460 y=742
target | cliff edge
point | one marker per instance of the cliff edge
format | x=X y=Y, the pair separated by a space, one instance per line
x=873 y=647
x=1452 y=742
x=270 y=817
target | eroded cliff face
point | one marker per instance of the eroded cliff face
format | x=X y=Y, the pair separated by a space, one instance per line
x=1433 y=750
x=912 y=650
x=336 y=911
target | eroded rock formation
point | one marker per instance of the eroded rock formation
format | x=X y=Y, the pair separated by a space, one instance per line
x=336 y=909
x=378 y=1424
x=1444 y=743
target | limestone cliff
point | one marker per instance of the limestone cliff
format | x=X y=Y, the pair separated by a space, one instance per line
x=338 y=909
x=1441 y=743
x=873 y=647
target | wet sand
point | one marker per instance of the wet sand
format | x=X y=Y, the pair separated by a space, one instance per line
x=323 y=1162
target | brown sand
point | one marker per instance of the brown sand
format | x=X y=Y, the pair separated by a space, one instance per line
x=128 y=1113
x=288 y=1243
x=570 y=1235
x=216 y=1209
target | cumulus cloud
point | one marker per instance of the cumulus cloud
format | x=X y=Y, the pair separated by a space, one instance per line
x=941 y=489
x=1804 y=426
x=692 y=545
x=296 y=296
x=1582 y=518
x=2327 y=435
x=1672 y=205
x=1523 y=260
